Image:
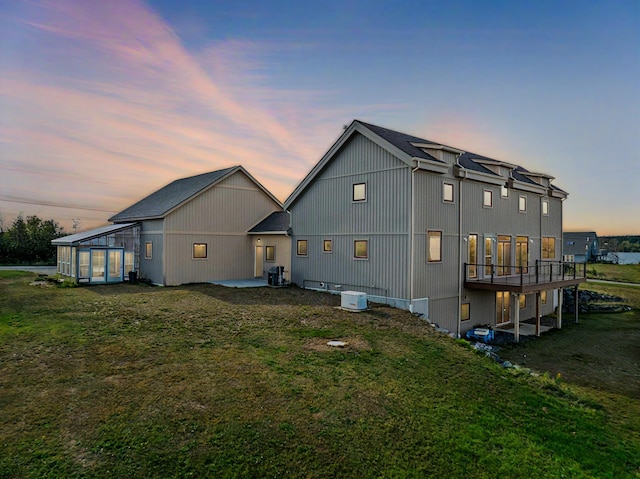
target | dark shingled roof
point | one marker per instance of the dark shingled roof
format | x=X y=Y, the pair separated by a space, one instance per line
x=158 y=204
x=276 y=222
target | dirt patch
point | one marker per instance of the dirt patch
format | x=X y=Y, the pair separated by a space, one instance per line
x=352 y=343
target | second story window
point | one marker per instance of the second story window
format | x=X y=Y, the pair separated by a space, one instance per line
x=504 y=191
x=487 y=198
x=447 y=192
x=522 y=204
x=548 y=247
x=361 y=249
x=360 y=192
x=545 y=207
x=327 y=246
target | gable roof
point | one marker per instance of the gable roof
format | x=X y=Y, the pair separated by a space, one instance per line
x=87 y=235
x=276 y=222
x=411 y=150
x=163 y=201
x=577 y=242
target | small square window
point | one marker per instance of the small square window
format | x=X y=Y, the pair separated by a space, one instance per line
x=327 y=246
x=504 y=191
x=487 y=200
x=361 y=249
x=199 y=250
x=447 y=192
x=302 y=248
x=269 y=253
x=148 y=250
x=434 y=246
x=465 y=312
x=359 y=192
x=545 y=207
x=523 y=301
x=522 y=204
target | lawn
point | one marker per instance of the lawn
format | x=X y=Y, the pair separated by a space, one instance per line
x=626 y=273
x=205 y=381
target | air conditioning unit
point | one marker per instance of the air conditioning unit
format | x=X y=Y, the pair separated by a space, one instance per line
x=353 y=300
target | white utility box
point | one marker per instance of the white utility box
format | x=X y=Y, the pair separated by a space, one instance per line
x=353 y=300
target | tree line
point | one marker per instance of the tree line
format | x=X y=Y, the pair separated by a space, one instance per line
x=28 y=241
x=620 y=244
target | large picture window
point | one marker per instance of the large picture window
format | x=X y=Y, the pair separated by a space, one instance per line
x=473 y=256
x=199 y=250
x=434 y=246
x=361 y=249
x=301 y=248
x=548 y=247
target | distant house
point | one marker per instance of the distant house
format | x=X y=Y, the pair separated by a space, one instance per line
x=580 y=246
x=461 y=238
x=192 y=230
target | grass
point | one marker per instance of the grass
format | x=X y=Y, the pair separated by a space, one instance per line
x=626 y=273
x=204 y=381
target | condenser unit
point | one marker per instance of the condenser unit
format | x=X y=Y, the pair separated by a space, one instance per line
x=353 y=300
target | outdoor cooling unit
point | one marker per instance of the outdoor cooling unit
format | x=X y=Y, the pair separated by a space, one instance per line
x=353 y=300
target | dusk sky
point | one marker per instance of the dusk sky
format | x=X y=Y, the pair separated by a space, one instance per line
x=103 y=102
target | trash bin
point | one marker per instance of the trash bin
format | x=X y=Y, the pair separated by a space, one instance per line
x=133 y=276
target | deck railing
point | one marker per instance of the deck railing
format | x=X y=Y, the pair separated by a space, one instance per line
x=542 y=271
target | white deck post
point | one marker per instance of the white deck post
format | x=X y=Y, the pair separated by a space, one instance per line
x=516 y=317
x=559 y=315
x=538 y=308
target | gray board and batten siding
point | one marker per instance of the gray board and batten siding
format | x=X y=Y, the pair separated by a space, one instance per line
x=214 y=209
x=404 y=193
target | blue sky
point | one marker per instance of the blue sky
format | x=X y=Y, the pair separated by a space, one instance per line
x=102 y=103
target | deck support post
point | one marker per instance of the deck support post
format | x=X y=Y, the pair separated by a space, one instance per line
x=559 y=314
x=516 y=317
x=538 y=313
x=576 y=302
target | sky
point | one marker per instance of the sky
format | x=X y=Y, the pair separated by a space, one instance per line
x=102 y=103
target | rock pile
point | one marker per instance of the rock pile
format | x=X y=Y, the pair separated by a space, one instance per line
x=592 y=302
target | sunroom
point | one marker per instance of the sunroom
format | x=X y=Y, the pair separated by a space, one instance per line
x=102 y=255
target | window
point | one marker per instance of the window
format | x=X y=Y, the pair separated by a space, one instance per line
x=504 y=191
x=473 y=256
x=522 y=204
x=83 y=264
x=434 y=246
x=522 y=254
x=128 y=262
x=199 y=250
x=545 y=207
x=301 y=248
x=488 y=256
x=361 y=249
x=543 y=297
x=523 y=301
x=269 y=253
x=548 y=247
x=148 y=250
x=447 y=192
x=359 y=192
x=465 y=312
x=327 y=246
x=487 y=201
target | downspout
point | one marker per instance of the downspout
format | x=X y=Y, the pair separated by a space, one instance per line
x=411 y=236
x=460 y=247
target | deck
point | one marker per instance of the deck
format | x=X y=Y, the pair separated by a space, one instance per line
x=543 y=275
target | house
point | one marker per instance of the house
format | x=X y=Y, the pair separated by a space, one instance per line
x=461 y=238
x=581 y=247
x=192 y=230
